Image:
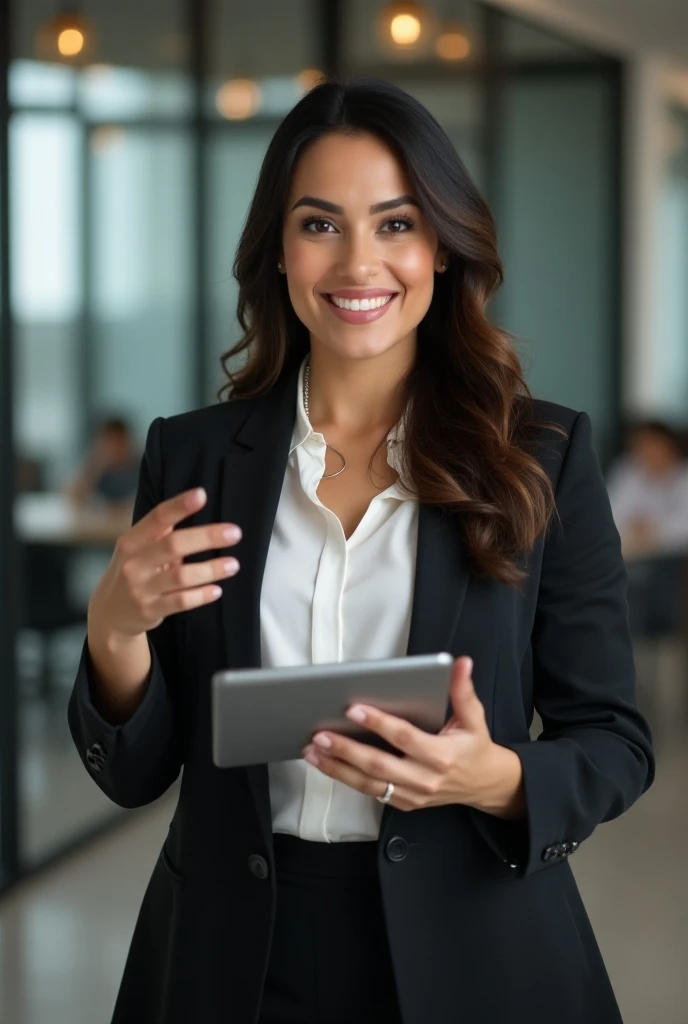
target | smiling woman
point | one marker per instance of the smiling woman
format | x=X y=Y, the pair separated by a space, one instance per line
x=398 y=219
x=398 y=492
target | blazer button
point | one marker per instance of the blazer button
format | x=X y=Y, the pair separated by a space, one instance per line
x=397 y=848
x=95 y=757
x=258 y=866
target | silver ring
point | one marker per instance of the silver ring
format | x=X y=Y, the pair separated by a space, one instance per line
x=388 y=794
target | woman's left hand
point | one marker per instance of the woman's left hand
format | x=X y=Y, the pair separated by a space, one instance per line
x=459 y=765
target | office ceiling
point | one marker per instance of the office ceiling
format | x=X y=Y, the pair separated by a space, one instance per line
x=659 y=25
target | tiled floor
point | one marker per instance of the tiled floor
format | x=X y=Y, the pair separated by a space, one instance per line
x=64 y=936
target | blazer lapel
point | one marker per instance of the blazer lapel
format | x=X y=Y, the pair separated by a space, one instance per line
x=252 y=477
x=441 y=579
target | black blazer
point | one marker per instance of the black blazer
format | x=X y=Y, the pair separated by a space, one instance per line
x=484 y=918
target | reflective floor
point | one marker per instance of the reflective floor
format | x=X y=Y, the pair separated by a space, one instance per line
x=64 y=935
x=57 y=797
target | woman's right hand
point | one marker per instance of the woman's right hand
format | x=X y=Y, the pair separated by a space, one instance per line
x=147 y=579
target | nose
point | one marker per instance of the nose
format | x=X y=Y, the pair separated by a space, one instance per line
x=359 y=258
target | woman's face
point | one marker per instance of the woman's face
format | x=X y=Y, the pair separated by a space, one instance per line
x=341 y=249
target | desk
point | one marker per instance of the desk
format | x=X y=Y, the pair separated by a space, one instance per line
x=52 y=531
x=52 y=519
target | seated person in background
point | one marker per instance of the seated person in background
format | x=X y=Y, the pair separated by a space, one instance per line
x=109 y=473
x=648 y=490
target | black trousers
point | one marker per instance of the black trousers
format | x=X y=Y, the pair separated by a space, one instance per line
x=329 y=961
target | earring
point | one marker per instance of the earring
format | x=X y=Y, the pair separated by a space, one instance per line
x=279 y=266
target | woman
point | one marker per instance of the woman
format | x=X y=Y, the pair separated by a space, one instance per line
x=397 y=492
x=110 y=470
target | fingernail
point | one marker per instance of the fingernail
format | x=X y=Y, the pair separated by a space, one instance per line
x=231 y=533
x=356 y=713
x=470 y=665
x=230 y=566
x=322 y=740
x=196 y=496
x=312 y=759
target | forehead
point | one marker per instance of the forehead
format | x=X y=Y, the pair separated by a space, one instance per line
x=343 y=167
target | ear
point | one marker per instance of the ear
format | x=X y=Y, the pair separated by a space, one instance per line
x=441 y=260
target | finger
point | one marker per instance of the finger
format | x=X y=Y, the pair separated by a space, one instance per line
x=183 y=600
x=403 y=797
x=376 y=763
x=416 y=743
x=182 y=576
x=165 y=516
x=161 y=520
x=468 y=710
x=349 y=775
x=461 y=667
x=178 y=544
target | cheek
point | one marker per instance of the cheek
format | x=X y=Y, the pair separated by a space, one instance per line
x=306 y=262
x=415 y=269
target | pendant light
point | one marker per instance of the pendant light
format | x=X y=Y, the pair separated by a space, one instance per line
x=66 y=38
x=406 y=29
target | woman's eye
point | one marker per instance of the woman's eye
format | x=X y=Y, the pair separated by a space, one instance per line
x=398 y=225
x=315 y=225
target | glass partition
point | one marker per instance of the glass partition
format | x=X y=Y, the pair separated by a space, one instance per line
x=671 y=344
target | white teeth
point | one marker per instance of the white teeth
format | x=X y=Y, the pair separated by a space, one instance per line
x=361 y=304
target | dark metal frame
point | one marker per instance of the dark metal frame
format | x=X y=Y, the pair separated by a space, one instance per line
x=9 y=823
x=328 y=15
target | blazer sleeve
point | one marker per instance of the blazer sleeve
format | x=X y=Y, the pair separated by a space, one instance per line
x=594 y=756
x=135 y=762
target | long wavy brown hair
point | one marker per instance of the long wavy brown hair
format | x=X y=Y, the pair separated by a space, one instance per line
x=468 y=440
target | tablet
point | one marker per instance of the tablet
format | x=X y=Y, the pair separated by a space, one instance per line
x=268 y=715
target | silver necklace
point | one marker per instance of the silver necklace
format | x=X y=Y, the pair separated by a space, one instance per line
x=306 y=387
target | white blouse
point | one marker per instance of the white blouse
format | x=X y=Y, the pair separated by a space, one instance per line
x=634 y=494
x=324 y=599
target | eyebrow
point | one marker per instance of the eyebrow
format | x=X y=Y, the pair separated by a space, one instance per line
x=322 y=204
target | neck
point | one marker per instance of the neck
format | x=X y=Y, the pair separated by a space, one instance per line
x=356 y=396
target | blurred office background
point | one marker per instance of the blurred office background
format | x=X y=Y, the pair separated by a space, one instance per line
x=130 y=140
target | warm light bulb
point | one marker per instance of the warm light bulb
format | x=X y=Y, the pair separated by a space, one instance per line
x=405 y=29
x=452 y=46
x=67 y=37
x=70 y=42
x=238 y=99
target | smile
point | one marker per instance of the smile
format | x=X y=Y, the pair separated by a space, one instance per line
x=361 y=310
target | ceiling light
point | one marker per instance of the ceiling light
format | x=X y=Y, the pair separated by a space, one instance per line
x=238 y=99
x=405 y=27
x=452 y=45
x=66 y=38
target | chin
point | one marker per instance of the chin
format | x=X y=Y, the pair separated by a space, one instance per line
x=357 y=344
